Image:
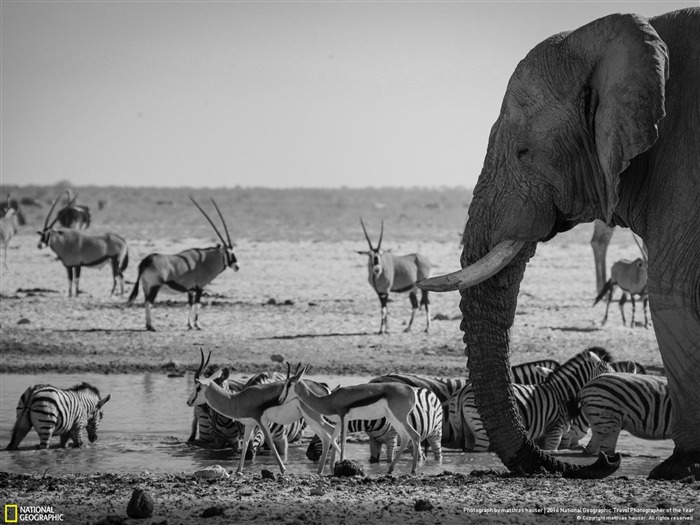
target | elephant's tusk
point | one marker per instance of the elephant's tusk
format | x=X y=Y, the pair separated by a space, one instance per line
x=489 y=265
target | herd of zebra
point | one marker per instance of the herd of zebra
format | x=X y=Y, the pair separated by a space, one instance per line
x=557 y=404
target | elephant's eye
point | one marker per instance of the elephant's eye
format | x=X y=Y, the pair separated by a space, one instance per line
x=522 y=152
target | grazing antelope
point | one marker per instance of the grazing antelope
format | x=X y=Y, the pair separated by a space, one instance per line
x=630 y=276
x=259 y=405
x=74 y=215
x=8 y=229
x=396 y=273
x=76 y=249
x=394 y=401
x=188 y=271
x=64 y=413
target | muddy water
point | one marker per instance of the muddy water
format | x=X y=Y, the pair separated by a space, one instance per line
x=147 y=423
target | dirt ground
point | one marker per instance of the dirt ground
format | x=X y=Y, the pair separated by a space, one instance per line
x=309 y=301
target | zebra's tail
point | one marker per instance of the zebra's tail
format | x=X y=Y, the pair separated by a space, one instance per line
x=606 y=288
x=142 y=266
x=22 y=425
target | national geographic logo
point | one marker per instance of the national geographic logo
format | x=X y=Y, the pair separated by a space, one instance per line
x=18 y=514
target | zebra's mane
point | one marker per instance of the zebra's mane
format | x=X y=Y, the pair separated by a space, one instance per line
x=85 y=386
x=562 y=370
x=600 y=352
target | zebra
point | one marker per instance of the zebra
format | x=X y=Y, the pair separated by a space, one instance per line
x=188 y=271
x=76 y=249
x=73 y=215
x=52 y=411
x=396 y=273
x=426 y=417
x=630 y=276
x=8 y=229
x=637 y=403
x=546 y=408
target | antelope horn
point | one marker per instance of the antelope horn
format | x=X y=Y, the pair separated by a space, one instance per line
x=489 y=265
x=230 y=244
x=366 y=235
x=202 y=364
x=48 y=215
x=642 y=248
x=207 y=218
x=381 y=234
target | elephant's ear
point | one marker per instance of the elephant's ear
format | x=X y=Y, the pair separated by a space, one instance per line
x=627 y=86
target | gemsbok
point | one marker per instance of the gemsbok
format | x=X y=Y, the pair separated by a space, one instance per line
x=73 y=215
x=76 y=249
x=394 y=401
x=631 y=277
x=259 y=406
x=399 y=274
x=188 y=271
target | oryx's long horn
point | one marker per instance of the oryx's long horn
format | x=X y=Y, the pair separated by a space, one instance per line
x=230 y=244
x=289 y=369
x=210 y=221
x=48 y=215
x=381 y=234
x=642 y=248
x=489 y=265
x=366 y=235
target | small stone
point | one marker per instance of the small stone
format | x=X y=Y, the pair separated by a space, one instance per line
x=212 y=472
x=318 y=491
x=277 y=358
x=423 y=504
x=140 y=505
x=212 y=512
x=266 y=474
x=24 y=320
x=348 y=468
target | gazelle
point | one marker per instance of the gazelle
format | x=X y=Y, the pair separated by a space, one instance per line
x=188 y=271
x=395 y=401
x=396 y=273
x=259 y=406
x=76 y=249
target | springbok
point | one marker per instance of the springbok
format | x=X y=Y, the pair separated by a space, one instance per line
x=396 y=273
x=258 y=406
x=394 y=401
x=631 y=277
x=188 y=271
x=74 y=215
x=76 y=249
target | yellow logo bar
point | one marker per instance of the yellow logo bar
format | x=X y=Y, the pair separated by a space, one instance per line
x=11 y=509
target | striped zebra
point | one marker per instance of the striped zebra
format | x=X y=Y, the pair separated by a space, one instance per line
x=8 y=229
x=426 y=417
x=64 y=413
x=456 y=433
x=545 y=408
x=637 y=403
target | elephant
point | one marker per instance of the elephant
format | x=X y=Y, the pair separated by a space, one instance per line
x=597 y=123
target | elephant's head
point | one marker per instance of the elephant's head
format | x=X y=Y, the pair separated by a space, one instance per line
x=577 y=110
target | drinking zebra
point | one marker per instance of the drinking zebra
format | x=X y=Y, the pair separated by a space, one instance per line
x=545 y=408
x=64 y=413
x=637 y=403
x=456 y=433
x=426 y=417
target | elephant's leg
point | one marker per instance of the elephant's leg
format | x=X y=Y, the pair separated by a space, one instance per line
x=676 y=329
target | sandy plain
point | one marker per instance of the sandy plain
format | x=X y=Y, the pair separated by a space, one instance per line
x=302 y=295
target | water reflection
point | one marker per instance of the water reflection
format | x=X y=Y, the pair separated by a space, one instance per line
x=147 y=423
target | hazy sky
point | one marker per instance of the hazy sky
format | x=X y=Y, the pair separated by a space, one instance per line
x=277 y=94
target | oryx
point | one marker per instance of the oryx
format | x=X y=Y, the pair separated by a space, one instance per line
x=76 y=249
x=73 y=215
x=396 y=273
x=188 y=271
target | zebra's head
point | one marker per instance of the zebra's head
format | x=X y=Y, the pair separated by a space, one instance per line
x=376 y=263
x=95 y=418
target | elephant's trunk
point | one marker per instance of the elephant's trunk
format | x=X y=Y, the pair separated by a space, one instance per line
x=488 y=311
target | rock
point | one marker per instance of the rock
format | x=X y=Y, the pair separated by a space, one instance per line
x=318 y=491
x=348 y=468
x=140 y=505
x=112 y=519
x=212 y=472
x=277 y=358
x=24 y=320
x=271 y=302
x=423 y=504
x=213 y=511
x=266 y=474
